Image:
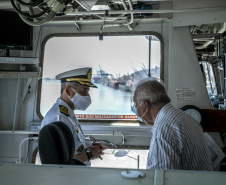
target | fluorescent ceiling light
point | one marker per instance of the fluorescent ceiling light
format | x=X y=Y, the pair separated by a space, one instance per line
x=100 y=7
x=94 y=4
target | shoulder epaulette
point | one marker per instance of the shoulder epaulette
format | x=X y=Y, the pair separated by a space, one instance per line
x=64 y=110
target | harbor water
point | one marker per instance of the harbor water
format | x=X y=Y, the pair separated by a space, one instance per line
x=106 y=100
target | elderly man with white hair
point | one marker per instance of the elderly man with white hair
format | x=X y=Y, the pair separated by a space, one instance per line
x=178 y=141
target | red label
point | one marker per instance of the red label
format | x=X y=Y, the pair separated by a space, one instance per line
x=100 y=116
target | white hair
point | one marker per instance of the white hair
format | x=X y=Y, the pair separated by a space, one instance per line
x=71 y=84
x=151 y=90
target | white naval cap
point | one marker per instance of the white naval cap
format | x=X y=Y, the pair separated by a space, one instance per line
x=80 y=75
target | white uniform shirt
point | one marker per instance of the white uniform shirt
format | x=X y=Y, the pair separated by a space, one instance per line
x=178 y=142
x=60 y=111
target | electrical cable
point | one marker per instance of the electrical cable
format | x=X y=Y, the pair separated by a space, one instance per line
x=51 y=8
x=38 y=22
x=26 y=15
x=58 y=14
x=47 y=18
x=30 y=4
x=104 y=141
x=215 y=62
x=212 y=61
x=57 y=6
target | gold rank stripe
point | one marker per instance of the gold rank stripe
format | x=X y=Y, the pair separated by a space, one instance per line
x=77 y=79
x=85 y=83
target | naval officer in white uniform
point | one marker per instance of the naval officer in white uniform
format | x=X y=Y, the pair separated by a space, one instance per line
x=75 y=86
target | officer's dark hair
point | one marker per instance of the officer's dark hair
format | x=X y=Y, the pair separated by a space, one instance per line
x=72 y=84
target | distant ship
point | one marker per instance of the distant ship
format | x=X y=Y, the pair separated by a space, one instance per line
x=114 y=84
x=125 y=82
x=126 y=85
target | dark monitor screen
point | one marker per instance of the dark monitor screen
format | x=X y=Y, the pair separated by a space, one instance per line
x=14 y=33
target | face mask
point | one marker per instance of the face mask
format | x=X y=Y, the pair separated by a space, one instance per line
x=80 y=102
x=134 y=110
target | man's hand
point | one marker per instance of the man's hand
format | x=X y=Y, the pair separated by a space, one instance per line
x=97 y=149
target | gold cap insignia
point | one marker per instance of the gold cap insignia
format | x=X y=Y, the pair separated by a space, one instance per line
x=89 y=75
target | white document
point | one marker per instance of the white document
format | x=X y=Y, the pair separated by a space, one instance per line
x=216 y=153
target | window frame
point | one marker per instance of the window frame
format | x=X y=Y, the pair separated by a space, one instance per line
x=47 y=38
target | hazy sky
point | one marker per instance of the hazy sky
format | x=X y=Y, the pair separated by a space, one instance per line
x=116 y=55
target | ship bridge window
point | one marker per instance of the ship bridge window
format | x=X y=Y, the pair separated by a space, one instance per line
x=118 y=63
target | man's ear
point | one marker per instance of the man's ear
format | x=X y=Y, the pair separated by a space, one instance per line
x=68 y=90
x=146 y=103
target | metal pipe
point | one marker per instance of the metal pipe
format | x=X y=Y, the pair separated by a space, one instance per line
x=15 y=110
x=149 y=64
x=131 y=20
x=145 y=11
x=222 y=30
x=110 y=25
x=224 y=64
x=125 y=7
x=99 y=21
x=124 y=4
x=123 y=139
x=21 y=143
x=118 y=17
x=8 y=132
x=131 y=8
x=204 y=45
x=202 y=40
x=134 y=135
x=219 y=73
x=206 y=36
x=37 y=132
x=110 y=19
x=208 y=70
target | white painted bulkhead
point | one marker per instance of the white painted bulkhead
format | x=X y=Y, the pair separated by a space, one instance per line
x=180 y=70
